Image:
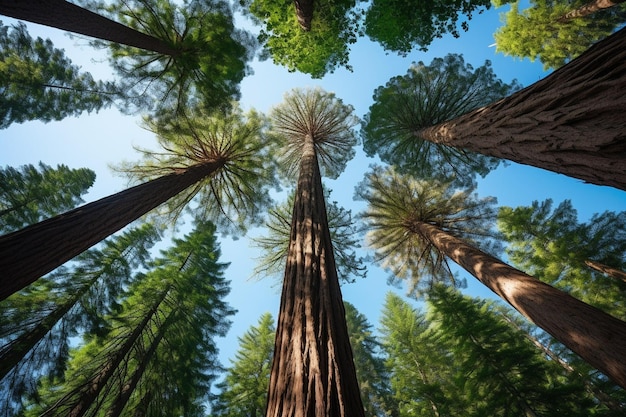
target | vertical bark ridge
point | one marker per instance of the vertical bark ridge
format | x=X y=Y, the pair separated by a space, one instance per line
x=29 y=253
x=313 y=372
x=597 y=337
x=571 y=122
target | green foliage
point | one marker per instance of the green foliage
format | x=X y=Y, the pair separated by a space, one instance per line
x=29 y=194
x=163 y=335
x=550 y=244
x=37 y=323
x=39 y=83
x=397 y=203
x=426 y=96
x=212 y=57
x=540 y=31
x=334 y=26
x=496 y=367
x=236 y=195
x=401 y=25
x=274 y=244
x=243 y=393
x=322 y=117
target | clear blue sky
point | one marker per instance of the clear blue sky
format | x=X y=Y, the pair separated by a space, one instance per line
x=97 y=140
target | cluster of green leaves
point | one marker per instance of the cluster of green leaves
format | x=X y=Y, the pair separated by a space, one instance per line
x=425 y=96
x=38 y=82
x=397 y=203
x=317 y=51
x=542 y=31
x=159 y=355
x=29 y=194
x=550 y=244
x=211 y=62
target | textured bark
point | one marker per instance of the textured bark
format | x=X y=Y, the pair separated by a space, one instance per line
x=63 y=15
x=571 y=122
x=313 y=372
x=304 y=13
x=589 y=8
x=597 y=337
x=27 y=254
x=89 y=392
x=605 y=269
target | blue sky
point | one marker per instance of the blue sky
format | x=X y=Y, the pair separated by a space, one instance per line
x=98 y=140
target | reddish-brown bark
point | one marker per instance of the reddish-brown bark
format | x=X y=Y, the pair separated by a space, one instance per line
x=313 y=372
x=63 y=15
x=597 y=337
x=590 y=8
x=27 y=254
x=571 y=122
x=605 y=269
x=304 y=13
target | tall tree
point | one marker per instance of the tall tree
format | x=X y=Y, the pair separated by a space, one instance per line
x=243 y=392
x=425 y=96
x=39 y=83
x=274 y=244
x=555 y=32
x=314 y=40
x=499 y=370
x=569 y=122
x=421 y=369
x=550 y=244
x=313 y=372
x=596 y=336
x=29 y=194
x=179 y=306
x=226 y=154
x=37 y=323
x=400 y=26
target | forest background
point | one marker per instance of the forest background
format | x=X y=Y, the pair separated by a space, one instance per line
x=106 y=138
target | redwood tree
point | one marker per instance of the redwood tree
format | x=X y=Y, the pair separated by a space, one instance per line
x=313 y=372
x=425 y=220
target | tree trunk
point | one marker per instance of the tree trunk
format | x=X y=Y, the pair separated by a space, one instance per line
x=571 y=122
x=605 y=269
x=97 y=382
x=589 y=8
x=313 y=372
x=597 y=337
x=29 y=253
x=304 y=13
x=63 y=15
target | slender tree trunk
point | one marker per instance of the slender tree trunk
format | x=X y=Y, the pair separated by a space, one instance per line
x=63 y=15
x=29 y=253
x=597 y=337
x=605 y=269
x=304 y=13
x=313 y=372
x=589 y=8
x=571 y=122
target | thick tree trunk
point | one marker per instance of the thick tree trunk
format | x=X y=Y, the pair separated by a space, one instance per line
x=589 y=8
x=313 y=372
x=571 y=122
x=597 y=337
x=304 y=13
x=63 y=15
x=29 y=253
x=605 y=269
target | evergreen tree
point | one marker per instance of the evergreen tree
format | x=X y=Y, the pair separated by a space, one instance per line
x=37 y=323
x=39 y=83
x=243 y=393
x=550 y=244
x=29 y=194
x=555 y=32
x=425 y=96
x=160 y=346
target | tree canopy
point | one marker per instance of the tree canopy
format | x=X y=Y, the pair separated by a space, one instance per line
x=38 y=82
x=426 y=96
